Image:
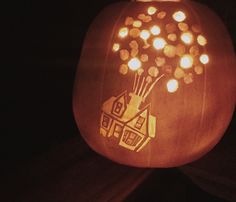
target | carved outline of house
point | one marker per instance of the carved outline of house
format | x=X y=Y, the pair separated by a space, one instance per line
x=133 y=129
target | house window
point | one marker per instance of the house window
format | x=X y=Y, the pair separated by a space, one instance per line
x=117 y=130
x=105 y=121
x=118 y=107
x=131 y=138
x=139 y=122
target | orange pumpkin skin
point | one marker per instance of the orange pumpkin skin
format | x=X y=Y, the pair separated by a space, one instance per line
x=187 y=123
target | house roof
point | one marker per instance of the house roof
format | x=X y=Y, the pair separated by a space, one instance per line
x=108 y=104
x=149 y=125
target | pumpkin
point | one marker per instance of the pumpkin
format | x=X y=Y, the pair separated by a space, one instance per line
x=155 y=83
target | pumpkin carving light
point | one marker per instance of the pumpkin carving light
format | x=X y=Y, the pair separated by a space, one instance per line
x=155 y=83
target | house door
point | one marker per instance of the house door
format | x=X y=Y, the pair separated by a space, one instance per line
x=117 y=130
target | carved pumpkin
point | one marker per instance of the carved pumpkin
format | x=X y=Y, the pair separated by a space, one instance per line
x=155 y=83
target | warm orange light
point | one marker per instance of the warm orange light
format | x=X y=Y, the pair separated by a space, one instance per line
x=129 y=21
x=123 y=69
x=204 y=59
x=198 y=69
x=194 y=50
x=170 y=51
x=179 y=73
x=161 y=15
x=124 y=54
x=137 y=23
x=172 y=85
x=134 y=32
x=134 y=64
x=144 y=57
x=123 y=32
x=172 y=37
x=179 y=16
x=183 y=26
x=152 y=10
x=201 y=40
x=155 y=30
x=159 y=43
x=187 y=37
x=116 y=47
x=171 y=28
x=160 y=61
x=145 y=34
x=186 y=62
x=180 y=49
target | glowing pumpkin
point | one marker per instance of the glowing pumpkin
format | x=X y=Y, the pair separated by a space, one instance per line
x=155 y=83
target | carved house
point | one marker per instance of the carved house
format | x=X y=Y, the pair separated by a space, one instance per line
x=134 y=128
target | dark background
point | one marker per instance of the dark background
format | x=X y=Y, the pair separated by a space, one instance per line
x=42 y=42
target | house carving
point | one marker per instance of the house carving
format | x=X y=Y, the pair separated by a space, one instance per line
x=133 y=127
